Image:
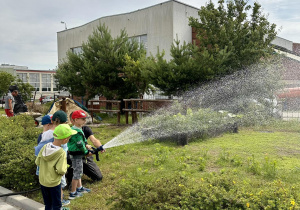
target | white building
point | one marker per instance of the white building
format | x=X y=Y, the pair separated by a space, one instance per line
x=155 y=26
x=42 y=80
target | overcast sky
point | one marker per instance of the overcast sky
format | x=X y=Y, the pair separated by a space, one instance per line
x=28 y=29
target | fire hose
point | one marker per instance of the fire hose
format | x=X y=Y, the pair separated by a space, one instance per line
x=19 y=193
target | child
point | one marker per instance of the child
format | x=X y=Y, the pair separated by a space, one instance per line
x=90 y=168
x=59 y=117
x=77 y=149
x=53 y=165
x=47 y=125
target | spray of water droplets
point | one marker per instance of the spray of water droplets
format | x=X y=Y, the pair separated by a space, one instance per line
x=246 y=97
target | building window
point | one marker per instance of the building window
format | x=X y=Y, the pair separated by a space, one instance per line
x=46 y=82
x=23 y=77
x=55 y=81
x=34 y=80
x=142 y=39
x=77 y=50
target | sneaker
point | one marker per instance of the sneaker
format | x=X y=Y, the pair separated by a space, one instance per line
x=64 y=208
x=75 y=195
x=65 y=202
x=83 y=190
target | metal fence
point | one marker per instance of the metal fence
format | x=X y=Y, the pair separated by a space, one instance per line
x=290 y=108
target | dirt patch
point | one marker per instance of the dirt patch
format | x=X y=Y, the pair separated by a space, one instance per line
x=287 y=151
x=212 y=169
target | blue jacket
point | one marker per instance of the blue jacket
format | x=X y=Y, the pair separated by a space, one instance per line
x=37 y=150
x=40 y=146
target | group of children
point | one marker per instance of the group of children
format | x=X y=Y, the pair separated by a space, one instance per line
x=58 y=139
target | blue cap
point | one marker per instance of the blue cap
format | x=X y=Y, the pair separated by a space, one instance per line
x=46 y=120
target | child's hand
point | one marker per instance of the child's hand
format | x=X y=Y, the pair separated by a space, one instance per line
x=89 y=147
x=89 y=154
x=101 y=149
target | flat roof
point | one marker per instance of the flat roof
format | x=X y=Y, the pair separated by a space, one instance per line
x=35 y=71
x=131 y=12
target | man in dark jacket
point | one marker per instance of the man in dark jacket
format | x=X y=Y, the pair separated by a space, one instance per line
x=19 y=106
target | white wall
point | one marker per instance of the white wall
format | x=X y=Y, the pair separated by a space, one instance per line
x=160 y=22
x=181 y=28
x=283 y=43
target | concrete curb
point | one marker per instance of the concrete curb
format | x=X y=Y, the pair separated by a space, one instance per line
x=20 y=201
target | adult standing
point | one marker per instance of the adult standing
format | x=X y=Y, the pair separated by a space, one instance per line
x=9 y=104
x=19 y=106
x=90 y=168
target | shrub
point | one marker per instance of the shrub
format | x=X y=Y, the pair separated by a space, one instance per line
x=17 y=140
x=160 y=193
x=216 y=191
x=161 y=155
x=37 y=107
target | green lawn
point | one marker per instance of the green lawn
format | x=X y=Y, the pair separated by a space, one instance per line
x=2 y=110
x=252 y=159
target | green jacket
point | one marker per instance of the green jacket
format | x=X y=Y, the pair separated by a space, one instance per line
x=52 y=162
x=76 y=144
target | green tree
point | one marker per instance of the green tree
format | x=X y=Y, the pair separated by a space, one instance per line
x=96 y=70
x=25 y=89
x=137 y=73
x=69 y=76
x=229 y=41
x=187 y=68
x=176 y=75
x=228 y=32
x=6 y=79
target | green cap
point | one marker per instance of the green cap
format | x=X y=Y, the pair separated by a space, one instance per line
x=61 y=116
x=63 y=131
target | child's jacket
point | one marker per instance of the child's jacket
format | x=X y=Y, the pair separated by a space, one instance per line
x=77 y=143
x=52 y=162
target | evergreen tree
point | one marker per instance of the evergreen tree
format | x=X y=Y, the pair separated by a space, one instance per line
x=228 y=34
x=69 y=75
x=96 y=70
x=137 y=73
x=228 y=41
x=177 y=75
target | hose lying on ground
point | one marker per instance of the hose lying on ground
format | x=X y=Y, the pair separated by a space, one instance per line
x=19 y=193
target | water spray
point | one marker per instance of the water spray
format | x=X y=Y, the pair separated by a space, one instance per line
x=241 y=99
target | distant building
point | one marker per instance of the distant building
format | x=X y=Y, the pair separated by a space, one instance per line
x=42 y=80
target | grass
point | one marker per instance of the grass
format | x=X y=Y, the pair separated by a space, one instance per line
x=2 y=110
x=255 y=156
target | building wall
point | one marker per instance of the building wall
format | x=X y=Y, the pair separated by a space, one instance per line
x=161 y=23
x=8 y=70
x=181 y=28
x=37 y=78
x=39 y=84
x=296 y=48
x=283 y=43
